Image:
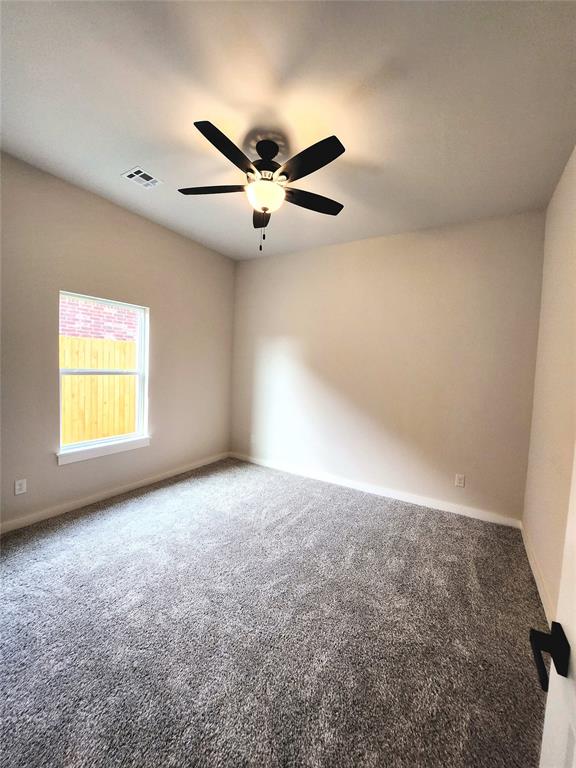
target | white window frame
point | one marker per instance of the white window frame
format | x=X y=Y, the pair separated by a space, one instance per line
x=90 y=449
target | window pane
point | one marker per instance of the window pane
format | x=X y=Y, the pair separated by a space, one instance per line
x=94 y=407
x=97 y=335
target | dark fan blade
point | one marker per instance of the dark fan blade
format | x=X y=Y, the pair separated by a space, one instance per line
x=260 y=220
x=224 y=145
x=211 y=190
x=311 y=159
x=313 y=202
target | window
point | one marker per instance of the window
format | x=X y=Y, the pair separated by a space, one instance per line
x=103 y=377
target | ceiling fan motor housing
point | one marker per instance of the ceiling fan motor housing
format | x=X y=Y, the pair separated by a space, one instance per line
x=265 y=166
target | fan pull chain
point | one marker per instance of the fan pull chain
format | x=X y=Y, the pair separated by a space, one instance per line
x=262 y=237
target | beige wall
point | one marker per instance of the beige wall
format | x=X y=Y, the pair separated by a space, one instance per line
x=554 y=417
x=395 y=362
x=56 y=236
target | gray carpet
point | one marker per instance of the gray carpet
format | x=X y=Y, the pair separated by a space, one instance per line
x=238 y=617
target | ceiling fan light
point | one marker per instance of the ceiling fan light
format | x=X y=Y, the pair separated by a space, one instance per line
x=265 y=196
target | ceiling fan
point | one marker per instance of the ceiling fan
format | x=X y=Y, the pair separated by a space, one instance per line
x=267 y=181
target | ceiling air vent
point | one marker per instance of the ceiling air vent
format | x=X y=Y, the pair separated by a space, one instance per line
x=141 y=178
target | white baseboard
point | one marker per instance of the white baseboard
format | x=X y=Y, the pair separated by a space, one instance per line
x=543 y=589
x=60 y=509
x=379 y=490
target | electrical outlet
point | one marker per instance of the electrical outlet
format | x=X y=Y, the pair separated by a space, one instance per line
x=459 y=481
x=19 y=487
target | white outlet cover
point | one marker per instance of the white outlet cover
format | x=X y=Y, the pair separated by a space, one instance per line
x=460 y=481
x=20 y=486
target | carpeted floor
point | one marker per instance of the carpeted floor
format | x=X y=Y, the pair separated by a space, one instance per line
x=237 y=617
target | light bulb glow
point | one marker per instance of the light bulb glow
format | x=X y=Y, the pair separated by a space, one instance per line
x=265 y=195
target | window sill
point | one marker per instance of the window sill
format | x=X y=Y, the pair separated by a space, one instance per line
x=94 y=451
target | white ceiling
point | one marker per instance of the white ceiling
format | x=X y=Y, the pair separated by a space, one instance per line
x=448 y=111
